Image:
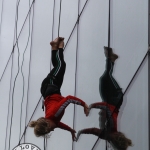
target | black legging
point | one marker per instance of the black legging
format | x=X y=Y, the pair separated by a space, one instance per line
x=53 y=82
x=108 y=87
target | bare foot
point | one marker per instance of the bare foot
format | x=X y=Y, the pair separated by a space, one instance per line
x=109 y=54
x=61 y=43
x=113 y=57
x=55 y=43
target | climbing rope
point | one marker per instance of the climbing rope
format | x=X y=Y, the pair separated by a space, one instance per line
x=1 y=15
x=12 y=108
x=108 y=119
x=76 y=24
x=123 y=94
x=45 y=138
x=108 y=55
x=31 y=35
x=59 y=17
x=22 y=72
x=53 y=26
x=17 y=40
x=76 y=70
x=65 y=47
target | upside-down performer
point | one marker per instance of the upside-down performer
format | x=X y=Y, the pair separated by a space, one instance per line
x=112 y=98
x=54 y=102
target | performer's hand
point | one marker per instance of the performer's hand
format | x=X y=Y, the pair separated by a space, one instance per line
x=86 y=109
x=73 y=135
x=79 y=133
x=90 y=107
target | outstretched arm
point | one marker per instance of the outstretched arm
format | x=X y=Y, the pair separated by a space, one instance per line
x=104 y=106
x=99 y=105
x=66 y=127
x=94 y=131
x=112 y=113
x=74 y=100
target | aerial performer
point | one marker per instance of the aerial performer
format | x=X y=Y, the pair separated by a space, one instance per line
x=112 y=98
x=54 y=102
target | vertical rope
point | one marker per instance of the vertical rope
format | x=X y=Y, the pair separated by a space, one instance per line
x=12 y=108
x=44 y=144
x=76 y=23
x=10 y=87
x=108 y=119
x=41 y=95
x=53 y=21
x=28 y=84
x=45 y=139
x=76 y=69
x=9 y=98
x=22 y=29
x=29 y=71
x=16 y=44
x=22 y=72
x=16 y=41
x=1 y=16
x=30 y=119
x=108 y=54
x=9 y=104
x=109 y=26
x=53 y=27
x=125 y=92
x=59 y=18
x=11 y=77
x=149 y=86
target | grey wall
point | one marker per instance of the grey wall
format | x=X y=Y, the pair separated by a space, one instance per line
x=129 y=39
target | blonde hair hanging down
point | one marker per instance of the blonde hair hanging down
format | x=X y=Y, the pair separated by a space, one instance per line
x=121 y=141
x=41 y=127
